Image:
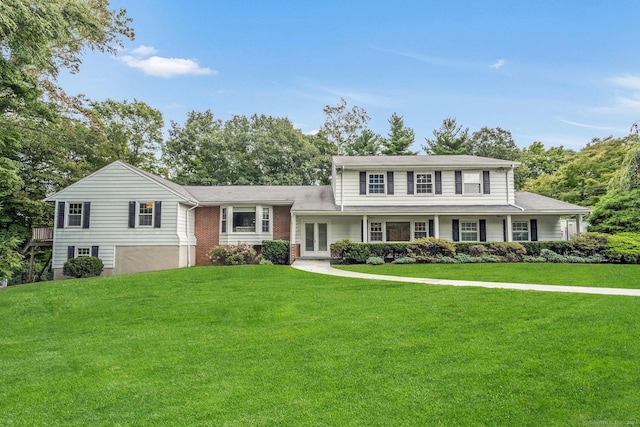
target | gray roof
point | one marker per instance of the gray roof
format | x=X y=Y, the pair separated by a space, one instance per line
x=453 y=161
x=532 y=202
x=302 y=197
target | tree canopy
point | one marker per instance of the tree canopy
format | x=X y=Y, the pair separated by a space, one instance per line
x=451 y=138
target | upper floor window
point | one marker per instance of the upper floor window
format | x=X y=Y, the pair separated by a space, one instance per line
x=472 y=183
x=266 y=220
x=520 y=230
x=424 y=183
x=376 y=183
x=74 y=216
x=145 y=214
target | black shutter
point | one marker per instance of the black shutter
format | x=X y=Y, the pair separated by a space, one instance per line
x=438 y=182
x=86 y=213
x=455 y=225
x=132 y=214
x=504 y=230
x=157 y=214
x=61 y=208
x=389 y=182
x=363 y=183
x=409 y=182
x=458 y=182
x=483 y=230
x=94 y=251
x=534 y=230
x=486 y=183
x=71 y=251
x=431 y=228
x=362 y=230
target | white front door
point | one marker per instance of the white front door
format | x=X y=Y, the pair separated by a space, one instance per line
x=316 y=239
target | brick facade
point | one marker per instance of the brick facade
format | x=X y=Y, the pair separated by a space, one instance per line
x=281 y=222
x=207 y=231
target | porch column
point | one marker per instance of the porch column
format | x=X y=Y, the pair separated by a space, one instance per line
x=509 y=229
x=436 y=226
x=578 y=224
x=365 y=228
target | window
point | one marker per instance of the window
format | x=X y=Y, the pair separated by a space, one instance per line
x=376 y=232
x=398 y=231
x=420 y=230
x=83 y=252
x=376 y=183
x=469 y=231
x=424 y=183
x=520 y=230
x=244 y=220
x=145 y=214
x=223 y=220
x=472 y=183
x=266 y=220
x=74 y=218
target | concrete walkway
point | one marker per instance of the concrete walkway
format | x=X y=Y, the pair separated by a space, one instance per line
x=324 y=267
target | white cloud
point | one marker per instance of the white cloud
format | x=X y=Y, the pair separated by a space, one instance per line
x=628 y=81
x=582 y=125
x=163 y=67
x=499 y=64
x=144 y=51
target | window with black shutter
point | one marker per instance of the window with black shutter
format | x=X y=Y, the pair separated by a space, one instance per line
x=409 y=182
x=363 y=183
x=455 y=226
x=483 y=230
x=458 y=177
x=438 y=178
x=61 y=209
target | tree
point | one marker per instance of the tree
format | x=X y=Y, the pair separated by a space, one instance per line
x=617 y=212
x=537 y=161
x=366 y=144
x=342 y=127
x=496 y=143
x=451 y=138
x=133 y=131
x=400 y=138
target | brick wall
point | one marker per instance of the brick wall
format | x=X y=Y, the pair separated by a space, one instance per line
x=295 y=252
x=207 y=231
x=281 y=222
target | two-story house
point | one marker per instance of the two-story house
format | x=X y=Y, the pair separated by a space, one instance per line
x=136 y=221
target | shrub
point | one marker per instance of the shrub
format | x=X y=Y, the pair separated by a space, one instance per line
x=357 y=253
x=551 y=256
x=444 y=260
x=276 y=251
x=559 y=246
x=589 y=244
x=404 y=260
x=86 y=266
x=375 y=260
x=233 y=254
x=624 y=248
x=430 y=247
x=477 y=250
x=529 y=258
x=466 y=259
x=339 y=248
x=509 y=251
x=265 y=262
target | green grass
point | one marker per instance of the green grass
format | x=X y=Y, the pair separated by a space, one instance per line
x=265 y=346
x=598 y=275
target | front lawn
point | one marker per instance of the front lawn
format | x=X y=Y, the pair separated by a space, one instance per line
x=271 y=345
x=592 y=275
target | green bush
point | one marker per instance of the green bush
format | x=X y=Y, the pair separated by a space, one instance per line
x=265 y=262
x=476 y=250
x=276 y=251
x=339 y=248
x=233 y=254
x=404 y=260
x=375 y=260
x=430 y=247
x=86 y=266
x=508 y=251
x=589 y=244
x=551 y=256
x=624 y=248
x=558 y=246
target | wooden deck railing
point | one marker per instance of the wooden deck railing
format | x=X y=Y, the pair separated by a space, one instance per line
x=42 y=234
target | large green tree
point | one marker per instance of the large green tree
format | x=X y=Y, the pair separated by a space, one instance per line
x=537 y=161
x=343 y=127
x=496 y=143
x=450 y=138
x=400 y=138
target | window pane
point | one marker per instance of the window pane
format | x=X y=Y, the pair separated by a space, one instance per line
x=376 y=232
x=145 y=213
x=471 y=183
x=424 y=184
x=376 y=184
x=398 y=231
x=84 y=252
x=265 y=220
x=468 y=231
x=520 y=230
x=75 y=215
x=244 y=222
x=309 y=236
x=322 y=237
x=420 y=230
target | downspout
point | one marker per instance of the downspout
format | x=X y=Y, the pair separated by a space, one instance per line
x=342 y=189
x=188 y=236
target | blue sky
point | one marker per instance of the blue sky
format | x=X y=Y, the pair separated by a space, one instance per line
x=559 y=72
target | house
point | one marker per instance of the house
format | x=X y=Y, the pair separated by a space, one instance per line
x=136 y=221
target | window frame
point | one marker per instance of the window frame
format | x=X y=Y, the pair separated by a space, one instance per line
x=425 y=224
x=378 y=231
x=475 y=231
x=223 y=220
x=83 y=249
x=465 y=182
x=266 y=220
x=74 y=215
x=429 y=183
x=243 y=210
x=526 y=230
x=381 y=184
x=140 y=215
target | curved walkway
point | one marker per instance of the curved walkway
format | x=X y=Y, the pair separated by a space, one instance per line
x=324 y=267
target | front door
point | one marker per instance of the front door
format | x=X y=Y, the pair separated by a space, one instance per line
x=316 y=239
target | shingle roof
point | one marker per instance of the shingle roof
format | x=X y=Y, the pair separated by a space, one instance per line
x=532 y=202
x=457 y=161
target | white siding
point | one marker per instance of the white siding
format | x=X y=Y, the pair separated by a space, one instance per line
x=109 y=192
x=502 y=191
x=340 y=227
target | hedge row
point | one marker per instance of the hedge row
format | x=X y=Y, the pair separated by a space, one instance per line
x=586 y=247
